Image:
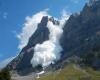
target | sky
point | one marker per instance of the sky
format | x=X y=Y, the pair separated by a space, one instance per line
x=14 y=12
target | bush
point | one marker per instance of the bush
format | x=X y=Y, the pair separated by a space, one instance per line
x=5 y=75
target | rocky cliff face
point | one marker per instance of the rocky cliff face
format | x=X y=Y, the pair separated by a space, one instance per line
x=82 y=31
x=81 y=34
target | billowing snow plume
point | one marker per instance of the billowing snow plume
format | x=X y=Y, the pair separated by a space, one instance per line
x=49 y=51
x=29 y=28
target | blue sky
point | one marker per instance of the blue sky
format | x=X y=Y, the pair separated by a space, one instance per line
x=14 y=12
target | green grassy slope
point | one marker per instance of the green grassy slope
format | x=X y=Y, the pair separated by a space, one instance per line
x=72 y=72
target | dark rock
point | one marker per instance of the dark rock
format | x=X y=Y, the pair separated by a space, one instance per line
x=81 y=34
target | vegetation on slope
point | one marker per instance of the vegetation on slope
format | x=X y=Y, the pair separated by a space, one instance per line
x=5 y=75
x=72 y=72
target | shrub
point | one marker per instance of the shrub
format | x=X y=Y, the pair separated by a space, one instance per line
x=5 y=75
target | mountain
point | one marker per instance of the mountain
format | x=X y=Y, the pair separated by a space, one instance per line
x=81 y=33
x=80 y=39
x=22 y=63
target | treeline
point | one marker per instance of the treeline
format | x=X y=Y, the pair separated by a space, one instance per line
x=5 y=75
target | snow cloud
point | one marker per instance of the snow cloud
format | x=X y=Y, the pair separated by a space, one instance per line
x=49 y=51
x=29 y=28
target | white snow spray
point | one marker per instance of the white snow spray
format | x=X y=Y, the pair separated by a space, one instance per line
x=49 y=51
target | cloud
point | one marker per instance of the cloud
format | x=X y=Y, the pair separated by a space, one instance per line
x=65 y=15
x=29 y=27
x=5 y=62
x=75 y=1
x=5 y=15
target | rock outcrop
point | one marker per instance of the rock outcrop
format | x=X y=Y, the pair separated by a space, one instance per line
x=81 y=32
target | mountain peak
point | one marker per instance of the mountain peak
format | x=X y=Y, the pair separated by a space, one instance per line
x=91 y=2
x=44 y=19
x=55 y=22
x=22 y=63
